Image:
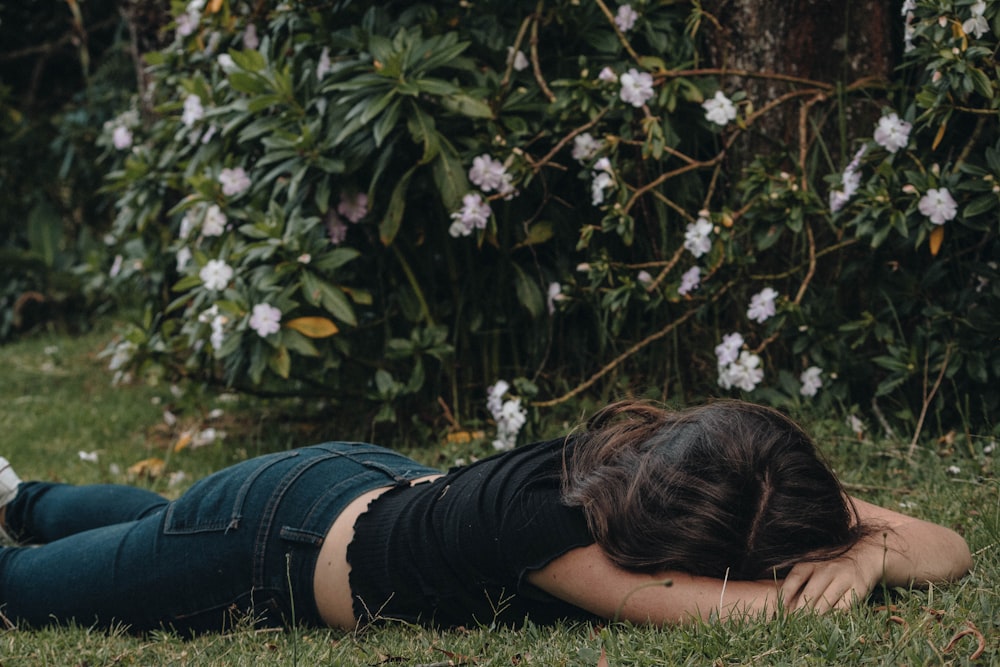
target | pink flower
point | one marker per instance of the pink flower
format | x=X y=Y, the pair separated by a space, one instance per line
x=690 y=281
x=353 y=207
x=938 y=205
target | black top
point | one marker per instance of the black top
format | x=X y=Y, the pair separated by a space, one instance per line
x=456 y=551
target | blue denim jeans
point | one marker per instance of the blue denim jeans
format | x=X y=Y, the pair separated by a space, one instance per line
x=239 y=544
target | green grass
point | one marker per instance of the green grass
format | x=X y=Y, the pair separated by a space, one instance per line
x=56 y=400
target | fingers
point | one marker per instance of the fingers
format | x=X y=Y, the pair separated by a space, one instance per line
x=821 y=587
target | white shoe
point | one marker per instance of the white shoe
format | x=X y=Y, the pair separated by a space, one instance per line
x=8 y=491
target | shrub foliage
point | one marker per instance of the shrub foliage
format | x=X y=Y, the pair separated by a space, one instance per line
x=406 y=201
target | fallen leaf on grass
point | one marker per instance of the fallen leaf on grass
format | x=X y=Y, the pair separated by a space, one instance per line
x=151 y=468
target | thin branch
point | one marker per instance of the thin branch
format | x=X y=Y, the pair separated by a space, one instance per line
x=621 y=35
x=522 y=31
x=617 y=361
x=537 y=166
x=928 y=397
x=535 y=62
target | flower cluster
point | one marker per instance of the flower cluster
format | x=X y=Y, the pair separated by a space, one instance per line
x=508 y=413
x=604 y=179
x=474 y=214
x=698 y=236
x=737 y=368
x=489 y=175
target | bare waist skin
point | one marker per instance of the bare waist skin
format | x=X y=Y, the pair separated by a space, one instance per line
x=331 y=582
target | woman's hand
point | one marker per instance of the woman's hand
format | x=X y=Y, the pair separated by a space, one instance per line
x=833 y=584
x=903 y=551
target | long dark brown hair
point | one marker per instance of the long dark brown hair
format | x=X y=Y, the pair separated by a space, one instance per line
x=725 y=489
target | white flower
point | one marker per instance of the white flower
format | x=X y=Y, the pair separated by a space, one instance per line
x=122 y=355
x=234 y=181
x=811 y=381
x=216 y=274
x=625 y=18
x=586 y=147
x=690 y=281
x=494 y=396
x=121 y=138
x=90 y=457
x=215 y=221
x=607 y=75
x=744 y=373
x=227 y=63
x=183 y=258
x=488 y=174
x=892 y=132
x=954 y=470
x=187 y=23
x=250 y=39
x=509 y=415
x=850 y=180
x=193 y=110
x=218 y=336
x=304 y=258
x=354 y=207
x=475 y=214
x=206 y=437
x=908 y=6
x=208 y=314
x=187 y=224
x=637 y=87
x=265 y=319
x=909 y=32
x=719 y=109
x=728 y=350
x=602 y=181
x=644 y=278
x=517 y=59
x=323 y=66
x=555 y=294
x=977 y=26
x=697 y=237
x=856 y=425
x=762 y=305
x=938 y=205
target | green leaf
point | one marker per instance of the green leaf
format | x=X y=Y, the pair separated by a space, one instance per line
x=451 y=178
x=281 y=362
x=331 y=298
x=44 y=232
x=540 y=232
x=335 y=259
x=390 y=224
x=528 y=292
x=468 y=106
x=423 y=131
x=980 y=205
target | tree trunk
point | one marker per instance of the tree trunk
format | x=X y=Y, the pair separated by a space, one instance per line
x=828 y=41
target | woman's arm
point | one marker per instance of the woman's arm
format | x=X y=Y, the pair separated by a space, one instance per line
x=587 y=578
x=903 y=551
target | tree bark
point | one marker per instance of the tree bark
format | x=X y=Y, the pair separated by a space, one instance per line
x=829 y=41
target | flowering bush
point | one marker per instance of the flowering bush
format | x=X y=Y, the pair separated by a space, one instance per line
x=384 y=200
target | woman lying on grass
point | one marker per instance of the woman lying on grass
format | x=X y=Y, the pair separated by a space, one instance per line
x=729 y=501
